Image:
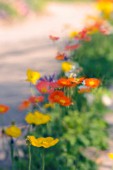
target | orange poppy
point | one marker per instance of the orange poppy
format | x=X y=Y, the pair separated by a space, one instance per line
x=60 y=56
x=77 y=80
x=64 y=82
x=92 y=82
x=24 y=105
x=3 y=108
x=64 y=101
x=55 y=96
x=84 y=89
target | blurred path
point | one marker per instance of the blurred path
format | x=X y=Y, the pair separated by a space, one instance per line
x=106 y=162
x=26 y=45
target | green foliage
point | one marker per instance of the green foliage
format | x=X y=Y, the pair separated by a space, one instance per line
x=75 y=132
x=8 y=9
x=96 y=58
x=36 y=5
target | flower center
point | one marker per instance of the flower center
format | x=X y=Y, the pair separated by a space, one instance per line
x=44 y=90
x=91 y=82
x=1 y=109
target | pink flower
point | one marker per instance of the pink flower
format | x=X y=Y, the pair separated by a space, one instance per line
x=45 y=87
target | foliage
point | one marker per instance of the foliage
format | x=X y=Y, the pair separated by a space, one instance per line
x=36 y=5
x=96 y=58
x=75 y=133
x=8 y=8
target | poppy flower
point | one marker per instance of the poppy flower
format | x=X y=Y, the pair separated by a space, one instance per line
x=37 y=118
x=61 y=56
x=46 y=87
x=83 y=35
x=64 y=82
x=29 y=118
x=13 y=131
x=73 y=34
x=92 y=82
x=93 y=28
x=110 y=155
x=84 y=89
x=3 y=109
x=64 y=101
x=55 y=96
x=36 y=99
x=72 y=47
x=24 y=105
x=54 y=38
x=32 y=76
x=43 y=87
x=106 y=7
x=76 y=80
x=42 y=142
x=67 y=66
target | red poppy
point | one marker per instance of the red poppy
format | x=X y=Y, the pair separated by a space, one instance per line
x=83 y=35
x=64 y=101
x=54 y=38
x=34 y=99
x=24 y=105
x=72 y=47
x=55 y=96
x=64 y=82
x=3 y=109
x=92 y=82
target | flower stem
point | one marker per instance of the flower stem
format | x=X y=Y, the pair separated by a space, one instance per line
x=12 y=152
x=29 y=150
x=43 y=160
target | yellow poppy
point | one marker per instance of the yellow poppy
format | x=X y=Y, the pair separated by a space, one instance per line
x=32 y=76
x=73 y=34
x=30 y=118
x=13 y=131
x=37 y=118
x=106 y=7
x=67 y=66
x=42 y=142
x=110 y=155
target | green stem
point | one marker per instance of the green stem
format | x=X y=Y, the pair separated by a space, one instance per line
x=29 y=149
x=12 y=152
x=43 y=160
x=2 y=121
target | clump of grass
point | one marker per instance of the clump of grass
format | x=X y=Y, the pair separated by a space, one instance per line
x=8 y=8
